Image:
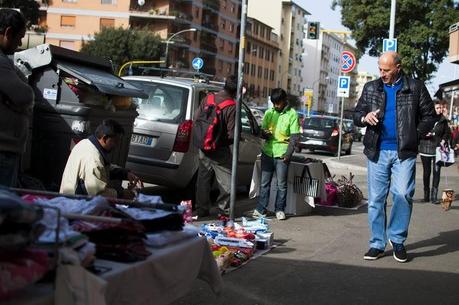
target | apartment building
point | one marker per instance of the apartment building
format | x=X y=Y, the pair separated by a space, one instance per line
x=322 y=69
x=363 y=77
x=262 y=52
x=287 y=20
x=71 y=22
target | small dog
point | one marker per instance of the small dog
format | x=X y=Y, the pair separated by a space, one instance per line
x=447 y=199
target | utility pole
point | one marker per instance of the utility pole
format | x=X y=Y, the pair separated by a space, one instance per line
x=392 y=19
x=237 y=126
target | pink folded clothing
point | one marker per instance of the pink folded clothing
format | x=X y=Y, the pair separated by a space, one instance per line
x=21 y=269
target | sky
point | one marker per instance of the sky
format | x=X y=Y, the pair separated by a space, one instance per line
x=331 y=20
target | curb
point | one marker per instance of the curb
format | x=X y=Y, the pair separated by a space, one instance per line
x=341 y=164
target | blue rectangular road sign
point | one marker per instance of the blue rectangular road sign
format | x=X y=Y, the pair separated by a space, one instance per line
x=344 y=83
x=390 y=45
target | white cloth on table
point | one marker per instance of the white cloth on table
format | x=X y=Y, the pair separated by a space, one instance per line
x=74 y=284
x=165 y=238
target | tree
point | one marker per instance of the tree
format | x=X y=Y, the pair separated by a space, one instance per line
x=421 y=29
x=30 y=9
x=121 y=45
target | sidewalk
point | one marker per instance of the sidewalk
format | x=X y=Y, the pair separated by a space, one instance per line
x=320 y=258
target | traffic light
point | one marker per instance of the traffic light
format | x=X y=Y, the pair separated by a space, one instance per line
x=313 y=30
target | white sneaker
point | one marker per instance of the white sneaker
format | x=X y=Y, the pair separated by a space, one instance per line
x=256 y=214
x=280 y=215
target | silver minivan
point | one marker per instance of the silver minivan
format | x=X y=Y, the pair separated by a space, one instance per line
x=161 y=150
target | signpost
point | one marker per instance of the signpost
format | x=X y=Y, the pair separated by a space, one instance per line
x=389 y=45
x=197 y=63
x=348 y=63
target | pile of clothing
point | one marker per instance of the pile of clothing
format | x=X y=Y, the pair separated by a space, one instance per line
x=20 y=264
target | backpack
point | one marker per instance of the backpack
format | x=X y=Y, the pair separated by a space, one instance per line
x=207 y=129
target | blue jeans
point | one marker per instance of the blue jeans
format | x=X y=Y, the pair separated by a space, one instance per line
x=390 y=173
x=268 y=166
x=9 y=168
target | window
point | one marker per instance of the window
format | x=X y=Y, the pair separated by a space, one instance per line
x=260 y=73
x=222 y=24
x=164 y=103
x=107 y=23
x=67 y=44
x=70 y=1
x=231 y=27
x=249 y=47
x=265 y=92
x=252 y=69
x=245 y=120
x=68 y=21
x=266 y=74
x=108 y=1
x=262 y=31
x=262 y=52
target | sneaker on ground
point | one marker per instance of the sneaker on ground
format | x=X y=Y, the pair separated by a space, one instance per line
x=280 y=215
x=373 y=254
x=399 y=252
x=256 y=214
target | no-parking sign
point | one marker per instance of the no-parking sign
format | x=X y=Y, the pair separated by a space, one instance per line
x=348 y=61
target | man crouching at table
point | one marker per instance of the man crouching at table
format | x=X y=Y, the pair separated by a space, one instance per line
x=88 y=170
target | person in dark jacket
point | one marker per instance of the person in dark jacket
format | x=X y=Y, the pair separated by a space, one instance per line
x=427 y=148
x=396 y=110
x=16 y=98
x=217 y=163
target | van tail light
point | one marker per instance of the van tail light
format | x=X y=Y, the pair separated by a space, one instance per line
x=335 y=132
x=183 y=138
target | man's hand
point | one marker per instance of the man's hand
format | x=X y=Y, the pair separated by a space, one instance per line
x=266 y=134
x=286 y=159
x=134 y=181
x=372 y=118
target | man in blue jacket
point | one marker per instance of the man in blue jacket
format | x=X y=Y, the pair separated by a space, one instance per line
x=396 y=110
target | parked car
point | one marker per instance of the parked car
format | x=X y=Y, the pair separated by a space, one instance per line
x=161 y=151
x=322 y=133
x=359 y=133
x=258 y=115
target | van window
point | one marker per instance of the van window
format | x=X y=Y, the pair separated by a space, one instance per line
x=164 y=103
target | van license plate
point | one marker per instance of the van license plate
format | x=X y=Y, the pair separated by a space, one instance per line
x=142 y=140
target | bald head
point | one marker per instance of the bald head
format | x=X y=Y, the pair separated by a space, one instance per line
x=389 y=67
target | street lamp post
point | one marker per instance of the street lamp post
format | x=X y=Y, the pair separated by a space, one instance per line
x=169 y=41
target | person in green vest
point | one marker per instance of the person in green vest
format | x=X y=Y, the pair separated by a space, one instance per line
x=281 y=130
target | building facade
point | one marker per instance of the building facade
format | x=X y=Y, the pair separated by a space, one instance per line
x=262 y=52
x=217 y=22
x=322 y=69
x=287 y=20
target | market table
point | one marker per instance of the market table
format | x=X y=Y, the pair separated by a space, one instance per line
x=297 y=204
x=166 y=275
